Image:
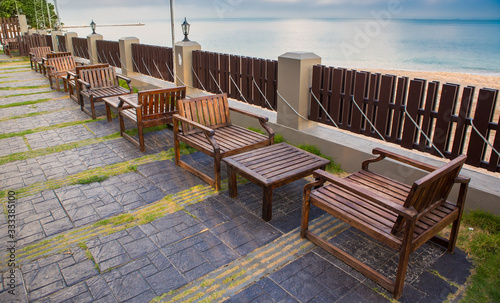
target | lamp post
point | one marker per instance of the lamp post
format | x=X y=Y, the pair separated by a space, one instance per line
x=93 y=26
x=185 y=30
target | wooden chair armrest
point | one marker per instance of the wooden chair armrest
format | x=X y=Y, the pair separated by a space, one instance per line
x=409 y=213
x=262 y=120
x=128 y=81
x=71 y=74
x=462 y=179
x=384 y=153
x=203 y=128
x=129 y=104
x=86 y=84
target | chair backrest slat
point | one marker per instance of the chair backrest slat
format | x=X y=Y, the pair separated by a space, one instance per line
x=431 y=189
x=56 y=55
x=40 y=52
x=99 y=77
x=211 y=111
x=158 y=102
x=62 y=63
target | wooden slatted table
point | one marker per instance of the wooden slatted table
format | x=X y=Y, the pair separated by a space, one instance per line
x=271 y=167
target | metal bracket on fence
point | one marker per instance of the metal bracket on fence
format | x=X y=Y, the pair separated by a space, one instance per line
x=262 y=94
x=291 y=106
x=238 y=89
x=484 y=139
x=422 y=132
x=215 y=81
x=321 y=105
x=361 y=111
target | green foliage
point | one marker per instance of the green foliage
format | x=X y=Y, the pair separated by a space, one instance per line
x=483 y=220
x=9 y=9
x=480 y=237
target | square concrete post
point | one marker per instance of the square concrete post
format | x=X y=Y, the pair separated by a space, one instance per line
x=69 y=42
x=126 y=54
x=184 y=62
x=294 y=81
x=23 y=24
x=92 y=45
x=54 y=40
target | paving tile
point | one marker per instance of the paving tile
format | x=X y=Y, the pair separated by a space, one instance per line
x=69 y=293
x=79 y=272
x=454 y=267
x=129 y=286
x=42 y=277
x=302 y=286
x=166 y=280
x=98 y=287
x=433 y=286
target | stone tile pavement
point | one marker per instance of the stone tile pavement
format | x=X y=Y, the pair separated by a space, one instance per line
x=160 y=231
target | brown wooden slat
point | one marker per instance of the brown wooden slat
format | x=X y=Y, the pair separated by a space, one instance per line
x=386 y=97
x=415 y=98
x=483 y=115
x=430 y=105
x=397 y=114
x=463 y=114
x=447 y=104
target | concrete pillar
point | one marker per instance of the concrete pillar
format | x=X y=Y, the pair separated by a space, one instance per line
x=126 y=54
x=54 y=40
x=184 y=62
x=294 y=81
x=23 y=24
x=32 y=31
x=69 y=42
x=92 y=45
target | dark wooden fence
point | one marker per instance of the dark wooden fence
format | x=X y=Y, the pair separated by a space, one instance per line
x=9 y=28
x=152 y=60
x=242 y=78
x=26 y=42
x=48 y=41
x=450 y=118
x=109 y=52
x=61 y=41
x=80 y=47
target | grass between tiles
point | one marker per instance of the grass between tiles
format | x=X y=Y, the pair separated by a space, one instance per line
x=479 y=237
x=26 y=94
x=24 y=87
x=26 y=103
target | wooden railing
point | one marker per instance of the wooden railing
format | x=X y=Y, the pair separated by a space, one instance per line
x=80 y=47
x=48 y=41
x=152 y=60
x=109 y=52
x=410 y=113
x=26 y=42
x=9 y=28
x=61 y=41
x=248 y=79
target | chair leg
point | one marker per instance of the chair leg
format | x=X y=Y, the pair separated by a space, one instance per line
x=92 y=108
x=142 y=147
x=304 y=224
x=404 y=257
x=217 y=160
x=122 y=124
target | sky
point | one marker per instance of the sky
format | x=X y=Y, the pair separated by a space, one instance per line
x=78 y=12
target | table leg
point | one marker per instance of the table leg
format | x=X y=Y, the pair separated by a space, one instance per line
x=267 y=203
x=108 y=112
x=233 y=187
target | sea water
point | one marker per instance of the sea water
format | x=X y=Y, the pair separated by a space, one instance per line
x=469 y=46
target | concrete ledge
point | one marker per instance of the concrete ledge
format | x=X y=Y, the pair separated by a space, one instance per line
x=350 y=150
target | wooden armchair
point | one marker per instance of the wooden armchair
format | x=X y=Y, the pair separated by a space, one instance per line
x=71 y=79
x=153 y=107
x=397 y=215
x=10 y=45
x=49 y=56
x=206 y=126
x=36 y=56
x=98 y=83
x=57 y=69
